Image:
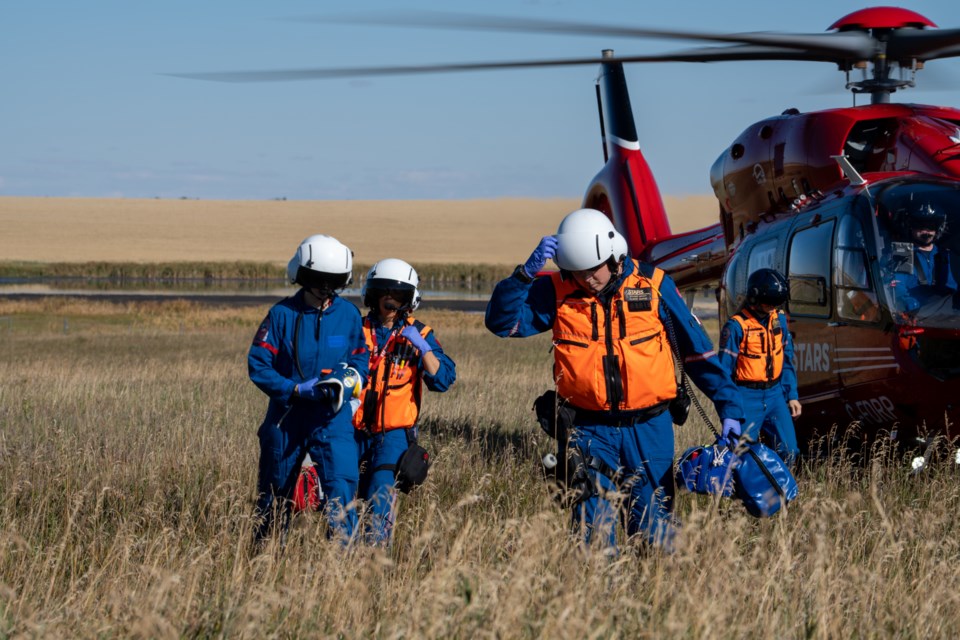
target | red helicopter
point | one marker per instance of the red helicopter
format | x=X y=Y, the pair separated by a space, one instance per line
x=825 y=197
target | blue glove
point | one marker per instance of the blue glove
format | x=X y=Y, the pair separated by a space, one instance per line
x=310 y=390
x=544 y=251
x=731 y=427
x=413 y=337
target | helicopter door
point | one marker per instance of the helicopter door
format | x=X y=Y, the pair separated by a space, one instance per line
x=809 y=276
x=864 y=352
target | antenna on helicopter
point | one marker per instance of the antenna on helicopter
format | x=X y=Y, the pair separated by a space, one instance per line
x=849 y=171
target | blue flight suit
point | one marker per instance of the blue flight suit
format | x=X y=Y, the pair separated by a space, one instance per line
x=380 y=451
x=766 y=410
x=641 y=452
x=931 y=278
x=294 y=343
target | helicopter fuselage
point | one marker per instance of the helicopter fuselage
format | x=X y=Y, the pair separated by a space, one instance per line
x=863 y=365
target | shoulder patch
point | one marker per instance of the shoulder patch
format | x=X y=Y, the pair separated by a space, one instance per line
x=725 y=335
x=263 y=332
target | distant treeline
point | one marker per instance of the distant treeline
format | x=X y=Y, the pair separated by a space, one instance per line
x=466 y=275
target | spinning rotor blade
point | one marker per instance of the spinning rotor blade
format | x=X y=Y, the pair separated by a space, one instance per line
x=835 y=46
x=704 y=54
x=923 y=45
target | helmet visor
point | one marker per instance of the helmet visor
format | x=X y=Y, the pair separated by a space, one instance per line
x=402 y=295
x=321 y=280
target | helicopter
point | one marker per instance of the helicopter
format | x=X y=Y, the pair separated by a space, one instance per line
x=824 y=197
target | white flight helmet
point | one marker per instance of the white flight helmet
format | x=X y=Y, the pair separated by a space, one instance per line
x=392 y=274
x=586 y=239
x=321 y=262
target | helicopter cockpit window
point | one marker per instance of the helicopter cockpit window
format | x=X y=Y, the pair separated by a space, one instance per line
x=868 y=143
x=919 y=233
x=856 y=299
x=809 y=271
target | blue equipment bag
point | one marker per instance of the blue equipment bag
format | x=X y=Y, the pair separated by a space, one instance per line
x=707 y=469
x=762 y=480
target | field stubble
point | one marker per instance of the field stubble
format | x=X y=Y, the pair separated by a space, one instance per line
x=128 y=459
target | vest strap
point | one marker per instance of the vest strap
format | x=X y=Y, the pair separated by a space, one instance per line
x=620 y=418
x=758 y=385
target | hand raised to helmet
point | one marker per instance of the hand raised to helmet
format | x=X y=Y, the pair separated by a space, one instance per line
x=538 y=259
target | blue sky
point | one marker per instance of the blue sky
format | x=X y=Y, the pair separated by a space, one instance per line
x=86 y=109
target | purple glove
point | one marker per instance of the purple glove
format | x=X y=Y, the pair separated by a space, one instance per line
x=310 y=390
x=730 y=427
x=544 y=251
x=413 y=337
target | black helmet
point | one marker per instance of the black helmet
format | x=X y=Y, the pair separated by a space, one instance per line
x=926 y=215
x=767 y=286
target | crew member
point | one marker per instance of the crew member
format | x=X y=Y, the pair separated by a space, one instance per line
x=931 y=275
x=756 y=349
x=309 y=357
x=404 y=355
x=611 y=317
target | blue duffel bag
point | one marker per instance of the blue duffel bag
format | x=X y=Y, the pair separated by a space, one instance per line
x=762 y=480
x=707 y=469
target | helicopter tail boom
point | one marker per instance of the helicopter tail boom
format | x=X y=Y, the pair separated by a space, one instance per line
x=625 y=188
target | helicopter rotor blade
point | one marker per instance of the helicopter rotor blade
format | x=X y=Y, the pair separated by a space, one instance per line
x=842 y=45
x=923 y=44
x=703 y=54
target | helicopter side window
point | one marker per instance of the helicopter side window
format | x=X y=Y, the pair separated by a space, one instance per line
x=809 y=271
x=762 y=256
x=856 y=299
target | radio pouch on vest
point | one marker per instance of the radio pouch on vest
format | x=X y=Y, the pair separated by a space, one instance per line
x=762 y=480
x=680 y=406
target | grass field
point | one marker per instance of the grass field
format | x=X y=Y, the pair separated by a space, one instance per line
x=492 y=232
x=127 y=466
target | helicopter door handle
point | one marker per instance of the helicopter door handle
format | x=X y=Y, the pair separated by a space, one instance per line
x=836 y=324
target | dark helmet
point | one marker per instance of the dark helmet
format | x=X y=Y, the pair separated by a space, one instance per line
x=767 y=286
x=926 y=215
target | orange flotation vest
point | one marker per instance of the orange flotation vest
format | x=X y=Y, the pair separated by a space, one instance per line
x=391 y=398
x=614 y=356
x=761 y=348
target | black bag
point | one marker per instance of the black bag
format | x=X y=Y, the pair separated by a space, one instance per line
x=412 y=467
x=680 y=406
x=555 y=418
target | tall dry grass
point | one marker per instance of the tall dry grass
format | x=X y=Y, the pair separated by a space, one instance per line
x=127 y=467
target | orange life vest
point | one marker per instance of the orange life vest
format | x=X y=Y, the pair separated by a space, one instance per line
x=613 y=357
x=391 y=398
x=761 y=349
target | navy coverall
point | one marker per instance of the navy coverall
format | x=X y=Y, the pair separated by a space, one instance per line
x=766 y=410
x=383 y=449
x=297 y=342
x=642 y=452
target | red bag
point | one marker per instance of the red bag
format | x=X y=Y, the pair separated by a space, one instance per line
x=307 y=494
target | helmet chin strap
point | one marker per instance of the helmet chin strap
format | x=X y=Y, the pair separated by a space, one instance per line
x=616 y=267
x=323 y=296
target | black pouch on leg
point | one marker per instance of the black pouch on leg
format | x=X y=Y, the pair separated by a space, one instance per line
x=413 y=465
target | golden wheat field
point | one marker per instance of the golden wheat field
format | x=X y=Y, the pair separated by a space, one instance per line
x=498 y=232
x=128 y=456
